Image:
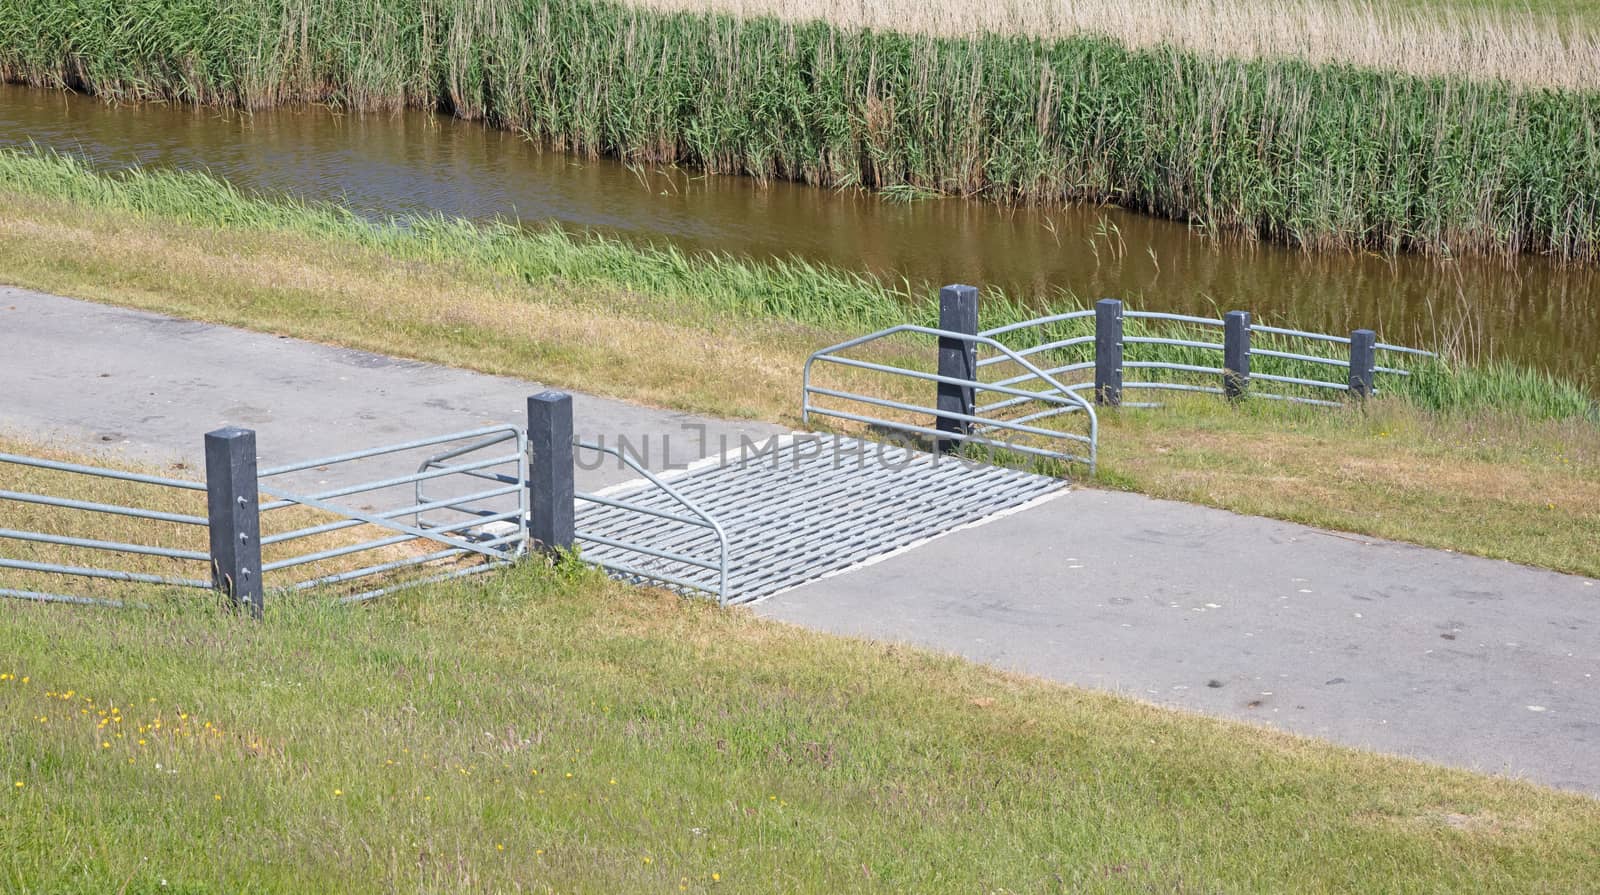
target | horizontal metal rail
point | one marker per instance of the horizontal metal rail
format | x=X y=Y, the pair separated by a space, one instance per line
x=1039 y=321
x=1295 y=380
x=1384 y=346
x=1163 y=365
x=44 y=597
x=443 y=504
x=108 y=574
x=1304 y=358
x=396 y=565
x=433 y=579
x=346 y=550
x=948 y=414
x=379 y=485
x=112 y=546
x=705 y=521
x=1298 y=333
x=1181 y=343
x=1174 y=387
x=1053 y=371
x=386 y=449
x=99 y=472
x=954 y=436
x=1294 y=399
x=108 y=508
x=1179 y=318
x=1038 y=349
x=428 y=534
x=1057 y=394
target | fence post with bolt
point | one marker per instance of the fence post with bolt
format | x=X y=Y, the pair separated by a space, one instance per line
x=1363 y=361
x=1236 y=354
x=958 y=359
x=551 y=517
x=1108 y=352
x=233 y=510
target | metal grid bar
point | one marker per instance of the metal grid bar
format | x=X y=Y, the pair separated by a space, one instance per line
x=804 y=509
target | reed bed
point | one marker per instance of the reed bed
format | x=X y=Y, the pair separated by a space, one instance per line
x=1557 y=49
x=1330 y=156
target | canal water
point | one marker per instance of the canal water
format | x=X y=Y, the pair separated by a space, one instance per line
x=1534 y=312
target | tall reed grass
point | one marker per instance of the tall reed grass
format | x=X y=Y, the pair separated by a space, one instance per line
x=1319 y=155
x=835 y=302
x=1518 y=45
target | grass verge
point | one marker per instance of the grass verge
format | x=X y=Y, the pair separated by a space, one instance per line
x=551 y=731
x=1329 y=155
x=1509 y=472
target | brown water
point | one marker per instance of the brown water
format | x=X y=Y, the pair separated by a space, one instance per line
x=1536 y=313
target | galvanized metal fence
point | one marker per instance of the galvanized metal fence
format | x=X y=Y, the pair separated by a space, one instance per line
x=467 y=499
x=1002 y=387
x=639 y=547
x=179 y=559
x=1010 y=423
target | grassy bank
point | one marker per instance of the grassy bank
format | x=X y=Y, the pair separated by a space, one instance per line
x=1323 y=155
x=1508 y=468
x=551 y=731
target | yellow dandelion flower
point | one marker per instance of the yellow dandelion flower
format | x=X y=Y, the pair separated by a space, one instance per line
x=647 y=859
x=613 y=781
x=24 y=680
x=20 y=784
x=105 y=745
x=338 y=792
x=217 y=796
x=537 y=851
x=499 y=847
x=716 y=877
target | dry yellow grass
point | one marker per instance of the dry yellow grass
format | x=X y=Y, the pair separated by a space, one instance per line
x=1519 y=46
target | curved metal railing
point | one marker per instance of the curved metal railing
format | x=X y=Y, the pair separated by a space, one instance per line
x=670 y=567
x=983 y=426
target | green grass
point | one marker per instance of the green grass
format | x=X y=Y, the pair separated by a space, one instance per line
x=790 y=291
x=549 y=731
x=1323 y=156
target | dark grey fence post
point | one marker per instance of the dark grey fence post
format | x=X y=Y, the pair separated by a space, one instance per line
x=1363 y=357
x=550 y=472
x=1108 y=352
x=1236 y=354
x=958 y=359
x=234 y=511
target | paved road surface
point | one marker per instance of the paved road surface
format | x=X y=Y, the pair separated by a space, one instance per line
x=1454 y=659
